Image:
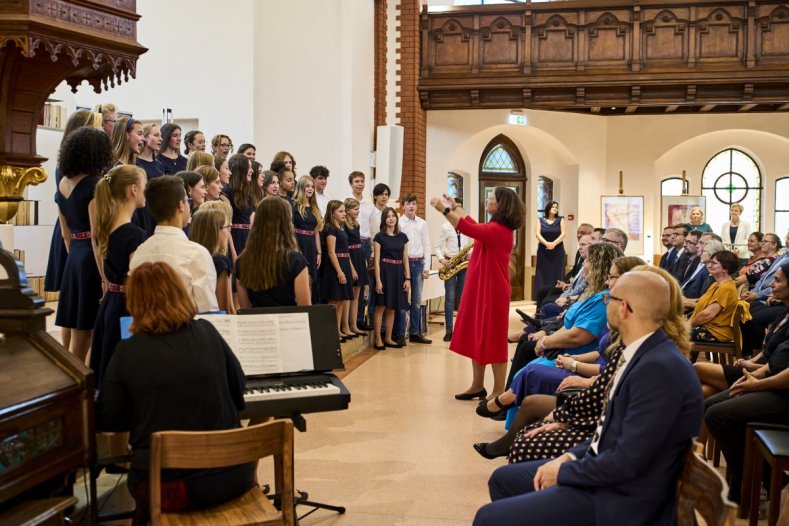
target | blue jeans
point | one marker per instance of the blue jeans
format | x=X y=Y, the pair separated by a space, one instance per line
x=367 y=250
x=415 y=310
x=453 y=288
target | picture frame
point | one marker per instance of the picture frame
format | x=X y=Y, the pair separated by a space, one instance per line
x=675 y=209
x=625 y=212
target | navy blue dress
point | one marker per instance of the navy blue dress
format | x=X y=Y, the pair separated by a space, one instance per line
x=550 y=263
x=222 y=263
x=283 y=293
x=331 y=289
x=172 y=166
x=123 y=241
x=57 y=251
x=357 y=256
x=306 y=241
x=142 y=216
x=241 y=220
x=392 y=274
x=80 y=285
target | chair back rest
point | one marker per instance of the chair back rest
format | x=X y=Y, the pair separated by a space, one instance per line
x=739 y=313
x=702 y=489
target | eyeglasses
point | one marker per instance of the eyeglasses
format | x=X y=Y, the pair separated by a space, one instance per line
x=607 y=298
x=692 y=243
x=768 y=241
x=225 y=145
x=227 y=227
x=609 y=241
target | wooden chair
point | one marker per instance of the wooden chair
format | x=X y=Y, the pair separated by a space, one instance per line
x=215 y=449
x=702 y=489
x=764 y=443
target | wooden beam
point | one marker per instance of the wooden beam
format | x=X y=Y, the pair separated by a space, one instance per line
x=747 y=107
x=783 y=107
x=631 y=109
x=707 y=107
x=672 y=108
x=595 y=109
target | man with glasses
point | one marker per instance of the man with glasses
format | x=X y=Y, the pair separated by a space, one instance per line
x=685 y=253
x=665 y=240
x=616 y=237
x=628 y=472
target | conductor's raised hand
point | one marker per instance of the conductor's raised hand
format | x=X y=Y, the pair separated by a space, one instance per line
x=440 y=203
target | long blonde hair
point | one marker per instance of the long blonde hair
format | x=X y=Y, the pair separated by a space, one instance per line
x=301 y=200
x=197 y=159
x=675 y=325
x=350 y=204
x=206 y=224
x=111 y=191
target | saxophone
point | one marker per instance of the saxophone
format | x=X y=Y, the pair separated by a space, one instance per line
x=458 y=262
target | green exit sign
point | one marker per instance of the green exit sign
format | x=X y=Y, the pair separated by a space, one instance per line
x=520 y=120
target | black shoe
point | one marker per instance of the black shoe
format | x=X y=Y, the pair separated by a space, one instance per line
x=528 y=319
x=363 y=326
x=482 y=408
x=396 y=345
x=400 y=341
x=379 y=347
x=350 y=336
x=482 y=449
x=418 y=338
x=471 y=396
x=448 y=336
x=343 y=339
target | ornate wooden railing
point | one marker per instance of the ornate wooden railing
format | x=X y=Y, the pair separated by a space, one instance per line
x=611 y=56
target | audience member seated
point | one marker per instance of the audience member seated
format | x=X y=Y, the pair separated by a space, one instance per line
x=584 y=323
x=628 y=471
x=270 y=270
x=541 y=430
x=174 y=373
x=758 y=266
x=700 y=282
x=755 y=252
x=711 y=320
x=166 y=200
x=758 y=396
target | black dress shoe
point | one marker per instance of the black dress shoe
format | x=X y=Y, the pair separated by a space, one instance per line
x=482 y=449
x=471 y=396
x=400 y=341
x=343 y=339
x=396 y=345
x=350 y=336
x=482 y=408
x=418 y=338
x=448 y=336
x=379 y=347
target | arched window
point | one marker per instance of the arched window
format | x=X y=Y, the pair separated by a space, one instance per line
x=781 y=207
x=673 y=186
x=544 y=192
x=455 y=185
x=731 y=176
x=500 y=161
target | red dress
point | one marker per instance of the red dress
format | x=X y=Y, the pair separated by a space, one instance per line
x=483 y=316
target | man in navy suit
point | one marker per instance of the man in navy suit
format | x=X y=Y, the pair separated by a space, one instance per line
x=627 y=474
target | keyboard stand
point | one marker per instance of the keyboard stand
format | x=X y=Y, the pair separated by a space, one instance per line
x=302 y=497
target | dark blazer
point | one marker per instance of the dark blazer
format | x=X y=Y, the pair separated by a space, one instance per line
x=579 y=262
x=697 y=286
x=664 y=259
x=656 y=410
x=681 y=265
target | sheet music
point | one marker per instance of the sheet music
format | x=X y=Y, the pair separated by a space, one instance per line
x=294 y=334
x=257 y=344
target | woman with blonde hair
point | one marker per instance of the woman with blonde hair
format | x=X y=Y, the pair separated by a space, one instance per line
x=197 y=159
x=270 y=271
x=127 y=140
x=358 y=260
x=696 y=216
x=735 y=233
x=119 y=194
x=210 y=227
x=228 y=249
x=213 y=185
x=307 y=225
x=146 y=159
x=337 y=274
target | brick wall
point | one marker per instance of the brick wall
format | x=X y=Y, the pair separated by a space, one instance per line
x=379 y=73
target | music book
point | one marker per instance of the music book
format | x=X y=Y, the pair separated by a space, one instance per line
x=264 y=344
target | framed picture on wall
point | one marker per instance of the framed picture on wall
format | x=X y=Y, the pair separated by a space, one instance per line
x=675 y=209
x=625 y=212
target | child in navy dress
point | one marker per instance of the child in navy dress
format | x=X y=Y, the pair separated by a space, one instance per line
x=392 y=275
x=211 y=228
x=243 y=194
x=170 y=157
x=357 y=260
x=118 y=195
x=338 y=273
x=307 y=225
x=80 y=287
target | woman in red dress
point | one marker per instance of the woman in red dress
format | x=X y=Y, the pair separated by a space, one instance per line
x=483 y=314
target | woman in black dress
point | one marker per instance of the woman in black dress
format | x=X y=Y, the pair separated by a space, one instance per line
x=118 y=195
x=174 y=373
x=210 y=227
x=170 y=157
x=270 y=271
x=357 y=260
x=147 y=161
x=337 y=274
x=243 y=194
x=550 y=231
x=307 y=225
x=392 y=275
x=81 y=285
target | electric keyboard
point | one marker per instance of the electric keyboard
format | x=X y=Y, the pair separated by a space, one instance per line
x=285 y=396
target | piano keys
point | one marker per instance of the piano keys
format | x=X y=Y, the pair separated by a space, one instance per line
x=286 y=396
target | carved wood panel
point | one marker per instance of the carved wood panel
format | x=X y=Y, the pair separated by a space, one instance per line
x=608 y=38
x=665 y=36
x=772 y=29
x=720 y=35
x=452 y=45
x=501 y=40
x=555 y=43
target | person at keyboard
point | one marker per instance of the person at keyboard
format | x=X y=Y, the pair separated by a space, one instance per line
x=174 y=373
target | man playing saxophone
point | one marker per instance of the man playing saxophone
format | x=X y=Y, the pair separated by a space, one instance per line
x=450 y=243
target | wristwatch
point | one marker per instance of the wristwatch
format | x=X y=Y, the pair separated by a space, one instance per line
x=446 y=211
x=573 y=366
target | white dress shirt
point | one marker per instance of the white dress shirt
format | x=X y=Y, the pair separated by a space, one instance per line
x=190 y=260
x=627 y=357
x=366 y=208
x=375 y=222
x=323 y=201
x=447 y=245
x=418 y=238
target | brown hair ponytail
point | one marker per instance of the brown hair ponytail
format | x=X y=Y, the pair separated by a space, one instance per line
x=111 y=188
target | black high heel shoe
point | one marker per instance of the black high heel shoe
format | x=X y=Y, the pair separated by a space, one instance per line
x=482 y=449
x=393 y=345
x=482 y=408
x=379 y=347
x=471 y=396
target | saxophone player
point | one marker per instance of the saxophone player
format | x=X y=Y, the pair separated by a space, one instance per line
x=449 y=243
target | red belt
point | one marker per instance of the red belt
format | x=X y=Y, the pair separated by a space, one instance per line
x=342 y=254
x=354 y=247
x=112 y=287
x=304 y=232
x=80 y=235
x=415 y=259
x=392 y=261
x=242 y=226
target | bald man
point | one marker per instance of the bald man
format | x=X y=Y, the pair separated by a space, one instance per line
x=627 y=474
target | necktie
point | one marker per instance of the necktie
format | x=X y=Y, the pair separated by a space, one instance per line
x=606 y=398
x=458 y=234
x=672 y=257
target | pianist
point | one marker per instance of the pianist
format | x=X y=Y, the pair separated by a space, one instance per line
x=174 y=373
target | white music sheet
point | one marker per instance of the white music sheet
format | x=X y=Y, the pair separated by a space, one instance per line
x=295 y=342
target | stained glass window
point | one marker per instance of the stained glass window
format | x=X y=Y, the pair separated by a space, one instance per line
x=500 y=161
x=781 y=207
x=673 y=186
x=732 y=176
x=544 y=192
